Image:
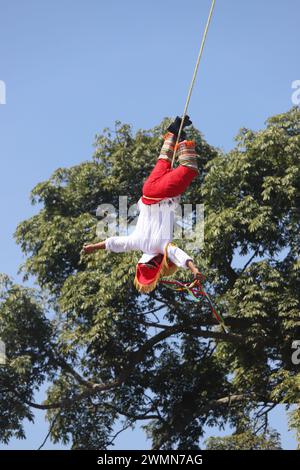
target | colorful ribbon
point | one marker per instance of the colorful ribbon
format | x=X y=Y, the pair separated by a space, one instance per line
x=196 y=291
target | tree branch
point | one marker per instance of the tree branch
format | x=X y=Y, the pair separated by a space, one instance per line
x=249 y=261
x=135 y=358
x=49 y=432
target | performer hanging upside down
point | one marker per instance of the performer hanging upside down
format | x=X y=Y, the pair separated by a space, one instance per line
x=154 y=229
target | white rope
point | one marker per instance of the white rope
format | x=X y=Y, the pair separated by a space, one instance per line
x=194 y=76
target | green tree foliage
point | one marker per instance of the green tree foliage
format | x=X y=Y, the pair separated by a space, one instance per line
x=245 y=441
x=113 y=357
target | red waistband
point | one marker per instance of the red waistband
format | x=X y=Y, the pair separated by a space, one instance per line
x=149 y=200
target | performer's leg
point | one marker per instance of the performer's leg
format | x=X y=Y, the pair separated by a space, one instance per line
x=162 y=167
x=171 y=183
x=163 y=164
x=179 y=179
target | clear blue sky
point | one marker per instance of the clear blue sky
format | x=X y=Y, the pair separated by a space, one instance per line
x=72 y=68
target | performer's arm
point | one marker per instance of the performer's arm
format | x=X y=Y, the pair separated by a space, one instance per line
x=115 y=244
x=183 y=260
x=94 y=247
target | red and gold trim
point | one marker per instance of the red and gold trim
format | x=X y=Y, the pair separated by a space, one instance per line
x=146 y=277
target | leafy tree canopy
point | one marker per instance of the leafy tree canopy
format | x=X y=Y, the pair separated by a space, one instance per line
x=246 y=441
x=113 y=357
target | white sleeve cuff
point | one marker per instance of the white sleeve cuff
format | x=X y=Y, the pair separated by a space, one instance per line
x=178 y=256
x=118 y=244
